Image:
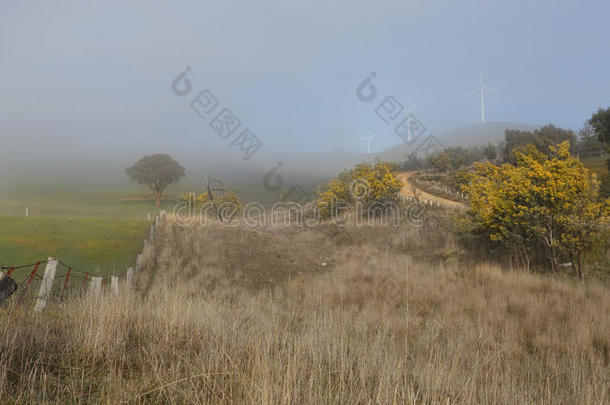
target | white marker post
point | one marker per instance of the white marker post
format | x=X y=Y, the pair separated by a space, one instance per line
x=96 y=285
x=114 y=285
x=129 y=276
x=138 y=263
x=27 y=212
x=46 y=285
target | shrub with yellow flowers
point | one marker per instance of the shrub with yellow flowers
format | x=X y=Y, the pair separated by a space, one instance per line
x=366 y=184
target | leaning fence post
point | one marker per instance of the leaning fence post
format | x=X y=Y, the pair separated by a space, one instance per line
x=63 y=289
x=46 y=285
x=27 y=286
x=96 y=285
x=82 y=290
x=7 y=286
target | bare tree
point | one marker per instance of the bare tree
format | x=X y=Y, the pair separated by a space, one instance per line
x=211 y=188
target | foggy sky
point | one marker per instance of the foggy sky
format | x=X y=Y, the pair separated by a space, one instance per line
x=83 y=82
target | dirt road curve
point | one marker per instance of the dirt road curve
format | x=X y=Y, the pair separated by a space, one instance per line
x=407 y=190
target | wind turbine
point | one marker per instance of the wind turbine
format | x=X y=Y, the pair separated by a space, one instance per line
x=368 y=142
x=482 y=88
x=408 y=114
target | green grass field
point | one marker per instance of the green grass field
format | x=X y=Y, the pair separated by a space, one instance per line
x=93 y=228
x=99 y=245
x=71 y=204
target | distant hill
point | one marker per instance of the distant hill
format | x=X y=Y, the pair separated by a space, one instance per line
x=469 y=135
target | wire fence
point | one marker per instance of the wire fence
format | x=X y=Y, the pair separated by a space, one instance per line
x=19 y=283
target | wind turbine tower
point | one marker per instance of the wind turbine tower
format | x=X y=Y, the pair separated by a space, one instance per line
x=368 y=142
x=482 y=88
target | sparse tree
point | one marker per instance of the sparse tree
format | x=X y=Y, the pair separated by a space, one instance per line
x=157 y=172
x=588 y=142
x=416 y=191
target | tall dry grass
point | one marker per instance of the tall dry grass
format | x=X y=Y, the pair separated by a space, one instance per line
x=329 y=315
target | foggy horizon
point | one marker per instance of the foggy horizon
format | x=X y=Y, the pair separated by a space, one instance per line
x=87 y=82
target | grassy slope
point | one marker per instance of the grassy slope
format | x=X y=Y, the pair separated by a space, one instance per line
x=232 y=315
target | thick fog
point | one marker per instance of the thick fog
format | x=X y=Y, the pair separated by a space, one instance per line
x=87 y=89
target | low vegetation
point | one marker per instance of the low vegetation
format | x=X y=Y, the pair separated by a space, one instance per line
x=531 y=198
x=325 y=315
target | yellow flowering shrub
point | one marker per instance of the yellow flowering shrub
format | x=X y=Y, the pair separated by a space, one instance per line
x=549 y=202
x=365 y=183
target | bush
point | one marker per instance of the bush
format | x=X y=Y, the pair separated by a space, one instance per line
x=365 y=184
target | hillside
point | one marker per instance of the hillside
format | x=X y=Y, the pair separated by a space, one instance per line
x=474 y=134
x=323 y=315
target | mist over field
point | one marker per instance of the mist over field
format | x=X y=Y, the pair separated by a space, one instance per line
x=87 y=88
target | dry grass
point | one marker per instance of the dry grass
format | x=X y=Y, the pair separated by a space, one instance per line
x=247 y=316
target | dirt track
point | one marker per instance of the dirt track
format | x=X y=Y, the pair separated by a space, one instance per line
x=407 y=189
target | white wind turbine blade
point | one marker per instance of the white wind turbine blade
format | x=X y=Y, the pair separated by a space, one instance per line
x=408 y=110
x=475 y=90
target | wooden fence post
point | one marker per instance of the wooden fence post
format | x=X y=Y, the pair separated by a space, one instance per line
x=27 y=286
x=63 y=289
x=96 y=285
x=82 y=290
x=46 y=285
x=129 y=276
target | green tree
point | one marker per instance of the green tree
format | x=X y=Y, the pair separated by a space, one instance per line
x=543 y=139
x=440 y=162
x=600 y=121
x=156 y=172
x=588 y=142
x=490 y=151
